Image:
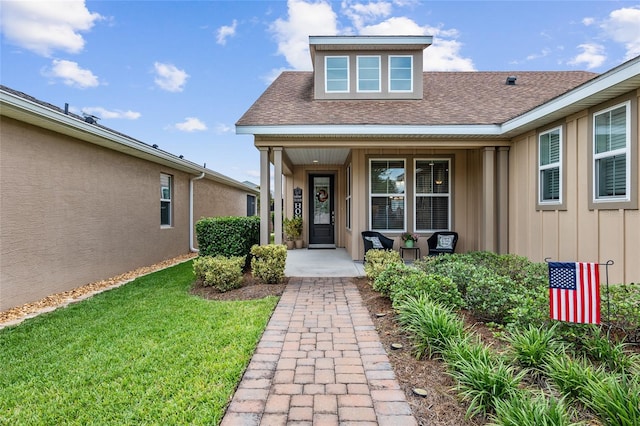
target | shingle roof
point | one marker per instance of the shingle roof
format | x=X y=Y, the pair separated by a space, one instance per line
x=450 y=98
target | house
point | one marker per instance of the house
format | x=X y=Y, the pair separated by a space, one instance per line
x=81 y=203
x=540 y=164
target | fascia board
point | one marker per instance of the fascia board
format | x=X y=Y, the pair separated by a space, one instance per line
x=100 y=136
x=373 y=130
x=590 y=88
x=365 y=40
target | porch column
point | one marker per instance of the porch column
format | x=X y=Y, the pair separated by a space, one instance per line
x=265 y=169
x=488 y=226
x=503 y=199
x=277 y=194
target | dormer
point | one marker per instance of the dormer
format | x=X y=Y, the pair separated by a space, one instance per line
x=368 y=67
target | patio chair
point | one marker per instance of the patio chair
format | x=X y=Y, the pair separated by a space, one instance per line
x=373 y=239
x=442 y=242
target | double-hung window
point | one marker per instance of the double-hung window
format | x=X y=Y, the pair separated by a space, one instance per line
x=166 y=193
x=433 y=195
x=387 y=195
x=550 y=167
x=337 y=74
x=400 y=73
x=611 y=154
x=368 y=73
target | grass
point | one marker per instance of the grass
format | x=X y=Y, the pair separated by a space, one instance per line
x=145 y=353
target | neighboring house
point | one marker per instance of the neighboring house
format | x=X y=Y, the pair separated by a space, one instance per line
x=540 y=164
x=81 y=203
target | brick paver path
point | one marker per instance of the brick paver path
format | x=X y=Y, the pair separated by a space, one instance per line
x=319 y=362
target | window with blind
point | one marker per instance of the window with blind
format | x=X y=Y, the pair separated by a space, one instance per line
x=611 y=155
x=550 y=166
x=433 y=195
x=165 y=199
x=400 y=73
x=387 y=195
x=368 y=73
x=337 y=74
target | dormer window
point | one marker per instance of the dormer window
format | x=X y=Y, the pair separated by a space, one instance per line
x=337 y=74
x=368 y=73
x=400 y=73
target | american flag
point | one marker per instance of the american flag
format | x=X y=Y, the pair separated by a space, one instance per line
x=574 y=292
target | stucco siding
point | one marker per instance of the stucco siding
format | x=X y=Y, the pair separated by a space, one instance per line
x=74 y=213
x=575 y=232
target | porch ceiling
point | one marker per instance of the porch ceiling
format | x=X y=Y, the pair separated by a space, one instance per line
x=320 y=156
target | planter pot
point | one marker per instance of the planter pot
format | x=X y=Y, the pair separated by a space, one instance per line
x=290 y=244
x=408 y=243
x=299 y=244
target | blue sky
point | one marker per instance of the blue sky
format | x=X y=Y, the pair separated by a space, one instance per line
x=181 y=73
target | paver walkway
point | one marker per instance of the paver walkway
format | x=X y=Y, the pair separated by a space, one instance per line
x=319 y=362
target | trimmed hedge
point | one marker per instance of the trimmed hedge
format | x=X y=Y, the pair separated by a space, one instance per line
x=227 y=236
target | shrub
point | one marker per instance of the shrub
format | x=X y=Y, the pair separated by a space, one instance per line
x=615 y=399
x=624 y=303
x=490 y=296
x=268 y=262
x=600 y=348
x=377 y=260
x=438 y=288
x=454 y=266
x=222 y=273
x=570 y=375
x=483 y=380
x=532 y=346
x=227 y=236
x=523 y=410
x=391 y=276
x=430 y=324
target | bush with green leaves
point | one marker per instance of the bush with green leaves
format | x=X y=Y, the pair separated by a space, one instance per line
x=523 y=409
x=482 y=380
x=438 y=288
x=624 y=303
x=227 y=236
x=490 y=296
x=530 y=347
x=391 y=276
x=376 y=261
x=220 y=272
x=430 y=324
x=457 y=267
x=614 y=398
x=268 y=262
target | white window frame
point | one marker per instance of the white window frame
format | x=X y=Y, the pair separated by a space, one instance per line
x=626 y=151
x=391 y=74
x=358 y=80
x=165 y=199
x=388 y=194
x=417 y=195
x=326 y=74
x=558 y=165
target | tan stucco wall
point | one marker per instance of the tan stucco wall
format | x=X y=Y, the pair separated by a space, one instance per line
x=576 y=233
x=73 y=213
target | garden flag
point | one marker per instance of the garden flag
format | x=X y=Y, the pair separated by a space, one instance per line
x=574 y=292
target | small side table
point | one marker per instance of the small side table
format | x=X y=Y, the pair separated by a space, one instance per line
x=415 y=250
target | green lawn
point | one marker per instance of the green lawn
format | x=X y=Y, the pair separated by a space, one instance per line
x=144 y=353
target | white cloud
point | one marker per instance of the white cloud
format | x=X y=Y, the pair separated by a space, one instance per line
x=169 y=77
x=114 y=114
x=305 y=19
x=222 y=128
x=623 y=26
x=191 y=124
x=588 y=21
x=225 y=32
x=71 y=74
x=592 y=56
x=46 y=26
x=318 y=18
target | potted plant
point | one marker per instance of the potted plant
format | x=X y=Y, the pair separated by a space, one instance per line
x=297 y=224
x=409 y=239
x=290 y=230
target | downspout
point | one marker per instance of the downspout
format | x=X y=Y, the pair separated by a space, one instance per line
x=191 y=225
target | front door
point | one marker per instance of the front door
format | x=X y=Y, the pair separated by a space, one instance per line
x=321 y=211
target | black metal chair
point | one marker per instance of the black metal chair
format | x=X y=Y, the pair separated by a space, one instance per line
x=442 y=242
x=373 y=239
